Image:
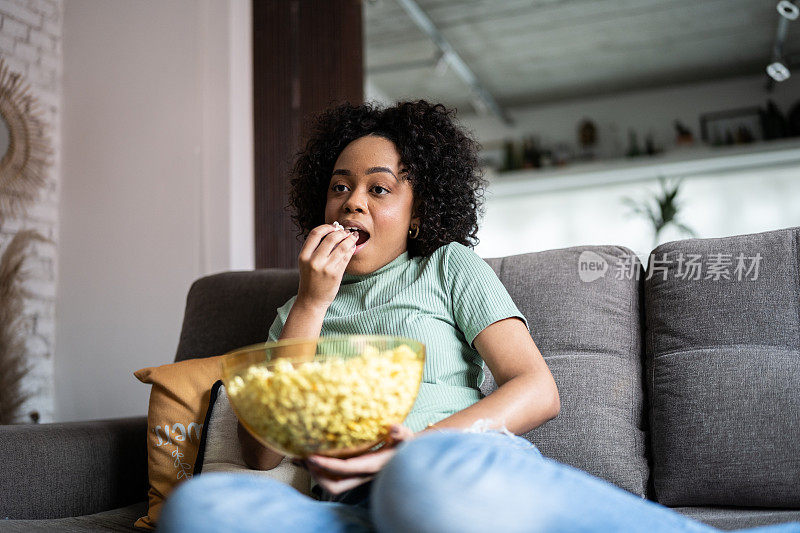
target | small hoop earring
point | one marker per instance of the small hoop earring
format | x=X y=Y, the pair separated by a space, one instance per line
x=416 y=231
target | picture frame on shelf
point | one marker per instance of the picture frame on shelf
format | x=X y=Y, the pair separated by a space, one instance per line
x=732 y=126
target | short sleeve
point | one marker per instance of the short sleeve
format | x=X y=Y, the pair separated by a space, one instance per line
x=478 y=296
x=280 y=319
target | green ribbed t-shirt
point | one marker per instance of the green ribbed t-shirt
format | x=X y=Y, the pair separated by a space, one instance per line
x=443 y=300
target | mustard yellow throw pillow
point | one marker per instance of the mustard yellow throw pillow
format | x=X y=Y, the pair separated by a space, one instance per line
x=178 y=403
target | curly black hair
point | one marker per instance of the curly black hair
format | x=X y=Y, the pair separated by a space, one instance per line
x=441 y=159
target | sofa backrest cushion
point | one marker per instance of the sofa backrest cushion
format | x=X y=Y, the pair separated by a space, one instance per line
x=233 y=309
x=723 y=370
x=589 y=333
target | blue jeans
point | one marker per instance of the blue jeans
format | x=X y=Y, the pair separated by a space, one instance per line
x=439 y=482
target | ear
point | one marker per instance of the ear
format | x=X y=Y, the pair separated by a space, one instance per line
x=414 y=209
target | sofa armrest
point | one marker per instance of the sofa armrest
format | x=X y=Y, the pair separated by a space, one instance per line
x=72 y=469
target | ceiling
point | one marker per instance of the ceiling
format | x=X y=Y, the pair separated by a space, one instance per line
x=528 y=52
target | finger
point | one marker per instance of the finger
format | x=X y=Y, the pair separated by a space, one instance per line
x=348 y=245
x=325 y=478
x=315 y=237
x=341 y=485
x=400 y=433
x=339 y=257
x=334 y=466
x=346 y=251
x=368 y=463
x=333 y=240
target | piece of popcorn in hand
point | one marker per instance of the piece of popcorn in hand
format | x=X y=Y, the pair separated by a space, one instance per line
x=337 y=225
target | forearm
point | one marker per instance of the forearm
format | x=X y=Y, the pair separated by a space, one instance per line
x=521 y=404
x=255 y=455
x=304 y=321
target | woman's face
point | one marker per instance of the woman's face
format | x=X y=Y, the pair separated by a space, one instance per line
x=367 y=187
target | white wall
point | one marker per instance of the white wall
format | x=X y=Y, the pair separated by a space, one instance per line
x=30 y=43
x=157 y=185
x=713 y=204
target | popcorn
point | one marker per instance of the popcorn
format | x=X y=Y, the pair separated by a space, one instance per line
x=340 y=227
x=328 y=405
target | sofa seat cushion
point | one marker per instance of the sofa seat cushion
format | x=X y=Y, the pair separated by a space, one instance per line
x=730 y=518
x=723 y=369
x=121 y=519
x=588 y=330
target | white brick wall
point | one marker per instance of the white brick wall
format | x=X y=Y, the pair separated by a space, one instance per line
x=30 y=42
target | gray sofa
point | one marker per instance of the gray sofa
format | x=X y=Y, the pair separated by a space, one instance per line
x=683 y=388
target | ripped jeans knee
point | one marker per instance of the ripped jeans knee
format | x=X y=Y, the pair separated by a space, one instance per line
x=492 y=427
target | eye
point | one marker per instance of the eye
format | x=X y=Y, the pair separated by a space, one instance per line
x=334 y=189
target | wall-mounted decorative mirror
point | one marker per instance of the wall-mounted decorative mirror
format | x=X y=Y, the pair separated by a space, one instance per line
x=24 y=156
x=5 y=136
x=24 y=148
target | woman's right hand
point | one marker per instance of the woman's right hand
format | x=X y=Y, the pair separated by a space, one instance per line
x=322 y=262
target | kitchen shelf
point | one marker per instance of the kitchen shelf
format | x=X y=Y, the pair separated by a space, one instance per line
x=683 y=162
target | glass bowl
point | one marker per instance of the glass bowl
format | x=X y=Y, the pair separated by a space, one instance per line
x=335 y=396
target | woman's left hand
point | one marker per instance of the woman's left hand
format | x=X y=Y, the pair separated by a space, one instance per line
x=339 y=475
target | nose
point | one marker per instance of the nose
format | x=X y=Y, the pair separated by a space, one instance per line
x=355 y=202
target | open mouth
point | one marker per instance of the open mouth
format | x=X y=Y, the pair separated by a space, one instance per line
x=363 y=237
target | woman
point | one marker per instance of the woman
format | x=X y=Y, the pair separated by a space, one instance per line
x=407 y=178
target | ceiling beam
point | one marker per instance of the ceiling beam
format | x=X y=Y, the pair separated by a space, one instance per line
x=403 y=65
x=454 y=60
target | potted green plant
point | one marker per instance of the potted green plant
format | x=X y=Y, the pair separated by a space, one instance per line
x=661 y=210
